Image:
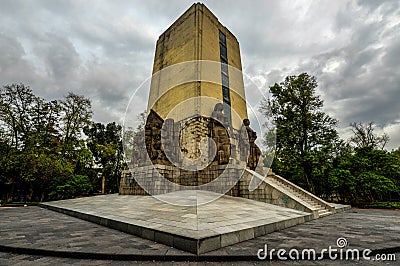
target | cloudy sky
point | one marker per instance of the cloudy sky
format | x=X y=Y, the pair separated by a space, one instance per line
x=104 y=50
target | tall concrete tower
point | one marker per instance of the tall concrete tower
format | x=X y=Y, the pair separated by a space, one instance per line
x=197 y=35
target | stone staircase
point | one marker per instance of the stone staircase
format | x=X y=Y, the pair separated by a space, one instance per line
x=274 y=189
x=313 y=202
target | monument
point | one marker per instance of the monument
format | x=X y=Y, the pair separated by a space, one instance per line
x=196 y=180
x=197 y=125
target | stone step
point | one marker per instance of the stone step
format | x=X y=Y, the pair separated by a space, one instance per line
x=298 y=194
x=311 y=202
x=324 y=213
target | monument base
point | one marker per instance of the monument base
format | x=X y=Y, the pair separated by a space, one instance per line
x=161 y=179
x=196 y=229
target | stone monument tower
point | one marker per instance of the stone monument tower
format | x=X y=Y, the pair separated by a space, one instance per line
x=195 y=151
x=197 y=124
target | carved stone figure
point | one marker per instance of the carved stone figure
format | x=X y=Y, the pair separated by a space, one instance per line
x=218 y=132
x=254 y=152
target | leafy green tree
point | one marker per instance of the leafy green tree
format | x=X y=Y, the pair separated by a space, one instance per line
x=372 y=175
x=16 y=104
x=45 y=120
x=396 y=152
x=396 y=162
x=306 y=136
x=43 y=170
x=8 y=175
x=76 y=113
x=77 y=185
x=41 y=141
x=19 y=108
x=105 y=143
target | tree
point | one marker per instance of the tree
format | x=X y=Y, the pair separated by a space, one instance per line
x=396 y=153
x=77 y=185
x=7 y=177
x=365 y=173
x=306 y=136
x=76 y=114
x=27 y=123
x=364 y=136
x=16 y=104
x=372 y=174
x=105 y=143
x=40 y=141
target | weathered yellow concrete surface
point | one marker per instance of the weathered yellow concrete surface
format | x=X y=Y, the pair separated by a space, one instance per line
x=195 y=36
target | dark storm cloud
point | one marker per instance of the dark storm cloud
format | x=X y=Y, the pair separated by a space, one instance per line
x=94 y=48
x=104 y=50
x=367 y=76
x=357 y=70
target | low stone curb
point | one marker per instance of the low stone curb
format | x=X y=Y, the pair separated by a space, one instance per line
x=161 y=257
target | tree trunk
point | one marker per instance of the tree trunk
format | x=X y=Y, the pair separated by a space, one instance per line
x=103 y=184
x=308 y=175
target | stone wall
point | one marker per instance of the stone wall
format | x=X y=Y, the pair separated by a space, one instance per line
x=161 y=179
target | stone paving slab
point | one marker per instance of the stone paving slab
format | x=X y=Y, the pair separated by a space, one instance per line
x=44 y=230
x=197 y=229
x=378 y=230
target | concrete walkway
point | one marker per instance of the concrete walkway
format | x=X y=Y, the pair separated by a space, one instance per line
x=32 y=236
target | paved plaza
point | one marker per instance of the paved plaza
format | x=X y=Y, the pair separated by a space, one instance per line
x=37 y=236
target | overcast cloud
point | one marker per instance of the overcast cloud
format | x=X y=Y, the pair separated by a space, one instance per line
x=105 y=49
